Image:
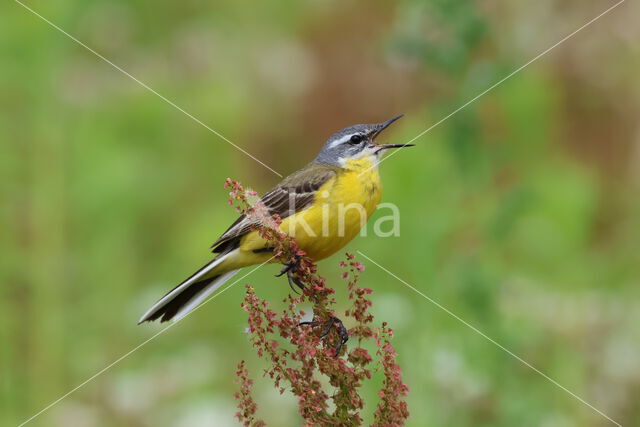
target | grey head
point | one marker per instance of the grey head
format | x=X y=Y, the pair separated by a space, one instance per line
x=355 y=141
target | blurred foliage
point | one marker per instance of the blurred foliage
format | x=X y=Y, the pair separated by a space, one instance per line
x=519 y=213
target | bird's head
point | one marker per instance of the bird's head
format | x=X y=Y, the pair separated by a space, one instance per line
x=354 y=142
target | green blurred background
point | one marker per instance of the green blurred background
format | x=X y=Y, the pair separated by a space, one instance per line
x=520 y=213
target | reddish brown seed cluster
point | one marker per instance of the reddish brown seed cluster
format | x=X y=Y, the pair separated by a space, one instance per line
x=299 y=355
x=246 y=406
x=392 y=409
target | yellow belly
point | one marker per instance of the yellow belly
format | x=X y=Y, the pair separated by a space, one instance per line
x=341 y=208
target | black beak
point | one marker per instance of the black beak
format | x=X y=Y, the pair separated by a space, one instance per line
x=382 y=126
x=387 y=146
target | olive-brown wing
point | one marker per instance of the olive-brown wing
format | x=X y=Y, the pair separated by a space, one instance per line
x=294 y=194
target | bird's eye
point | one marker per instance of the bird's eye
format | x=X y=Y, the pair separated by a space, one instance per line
x=356 y=139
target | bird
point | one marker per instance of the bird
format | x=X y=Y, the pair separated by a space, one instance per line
x=323 y=206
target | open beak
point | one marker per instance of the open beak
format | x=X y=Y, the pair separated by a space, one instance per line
x=387 y=146
x=383 y=126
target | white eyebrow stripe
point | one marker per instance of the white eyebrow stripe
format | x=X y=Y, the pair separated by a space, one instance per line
x=342 y=140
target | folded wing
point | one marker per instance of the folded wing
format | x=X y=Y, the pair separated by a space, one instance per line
x=294 y=194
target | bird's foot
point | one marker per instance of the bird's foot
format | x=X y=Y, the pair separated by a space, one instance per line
x=332 y=322
x=290 y=268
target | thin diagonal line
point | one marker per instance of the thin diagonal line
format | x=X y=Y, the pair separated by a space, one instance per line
x=508 y=76
x=130 y=352
x=488 y=338
x=144 y=85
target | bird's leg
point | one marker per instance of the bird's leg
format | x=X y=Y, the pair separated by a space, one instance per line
x=343 y=334
x=332 y=322
x=290 y=269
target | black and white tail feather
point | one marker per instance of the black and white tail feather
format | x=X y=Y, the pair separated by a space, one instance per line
x=178 y=302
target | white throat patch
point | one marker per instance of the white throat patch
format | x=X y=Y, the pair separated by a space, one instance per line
x=368 y=153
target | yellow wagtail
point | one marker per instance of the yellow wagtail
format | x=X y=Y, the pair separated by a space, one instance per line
x=315 y=205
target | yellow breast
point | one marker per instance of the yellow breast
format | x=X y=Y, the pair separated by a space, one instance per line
x=342 y=207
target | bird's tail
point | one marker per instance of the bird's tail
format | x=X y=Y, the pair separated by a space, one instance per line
x=178 y=302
